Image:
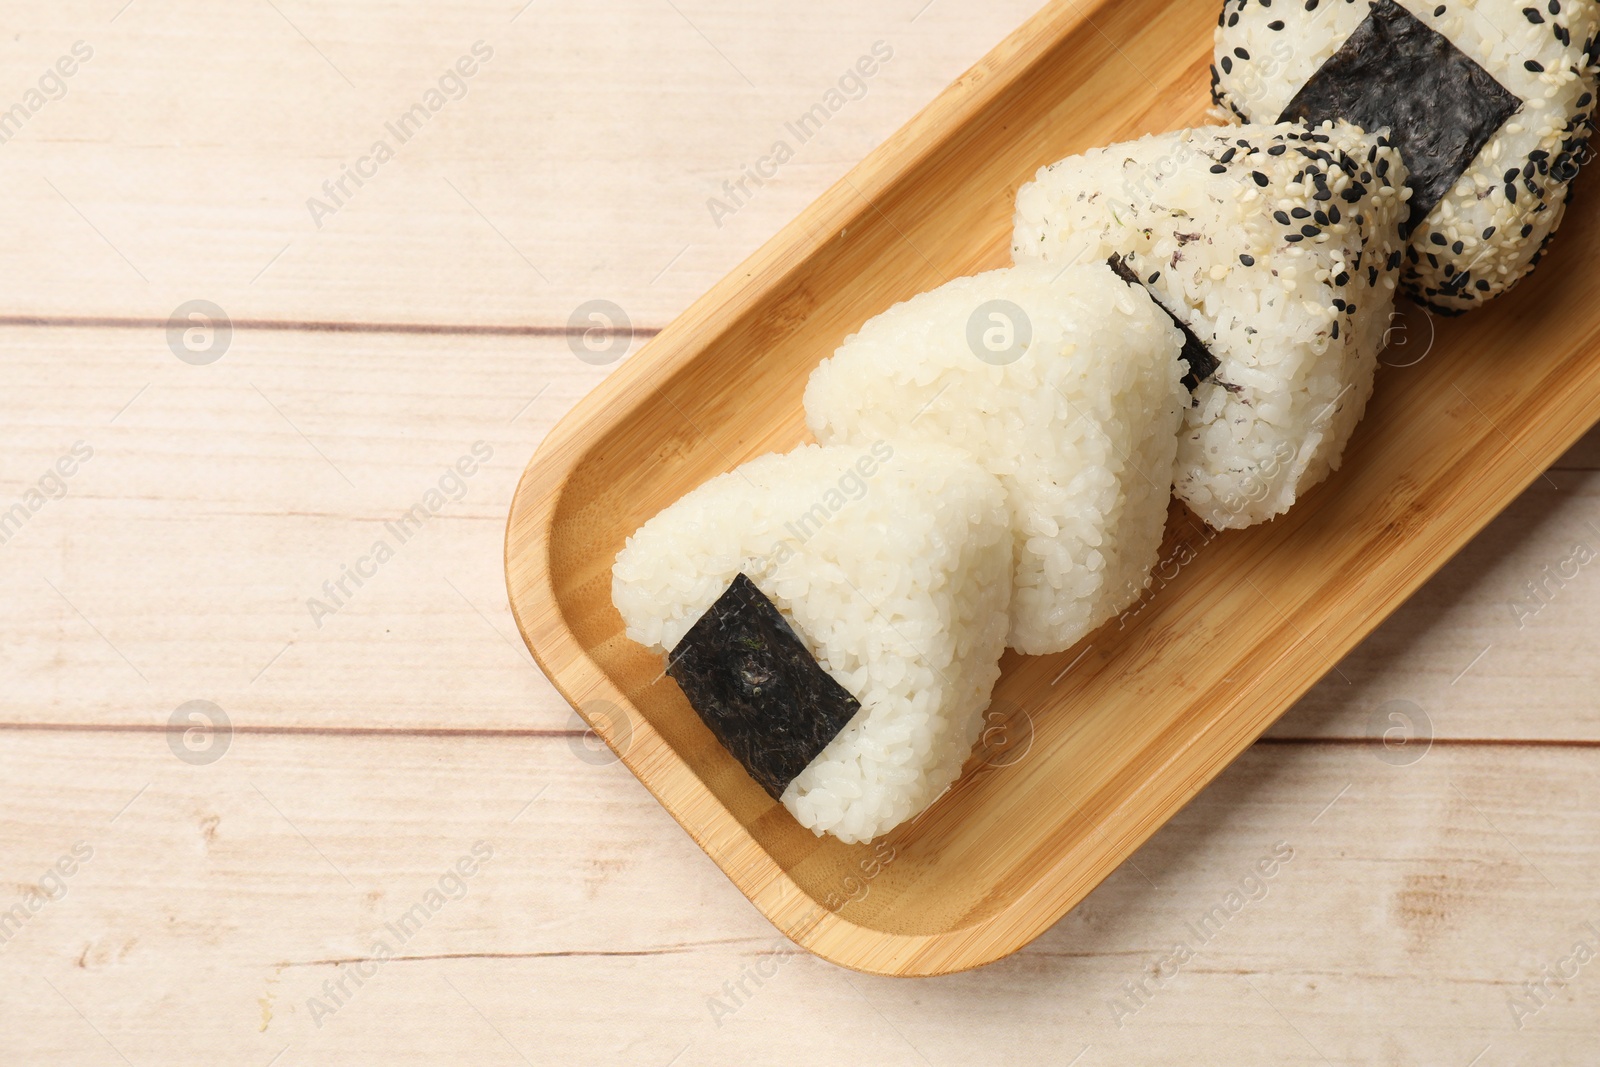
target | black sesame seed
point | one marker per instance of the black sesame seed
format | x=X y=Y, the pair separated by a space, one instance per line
x=1333 y=212
x=1227 y=157
x=1293 y=237
x=1310 y=231
x=1483 y=285
x=1300 y=213
x=1438 y=239
x=1458 y=248
x=1311 y=5
x=1261 y=179
x=1533 y=15
x=1322 y=218
x=1241 y=53
x=1247 y=260
x=1335 y=331
x=1535 y=66
x=1527 y=229
x=1275 y=24
x=1233 y=19
x=1343 y=278
x=1282 y=217
x=1555 y=7
x=1218 y=168
x=1324 y=194
x=1511 y=192
x=1227 y=65
x=1488 y=233
x=1277 y=150
x=1438 y=11
x=1511 y=175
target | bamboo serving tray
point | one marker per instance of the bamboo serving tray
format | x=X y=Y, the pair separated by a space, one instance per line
x=1088 y=752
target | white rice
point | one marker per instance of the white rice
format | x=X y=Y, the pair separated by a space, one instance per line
x=890 y=560
x=1544 y=142
x=1295 y=320
x=1080 y=426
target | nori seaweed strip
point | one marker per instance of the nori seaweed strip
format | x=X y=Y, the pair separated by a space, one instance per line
x=751 y=680
x=1202 y=364
x=1441 y=107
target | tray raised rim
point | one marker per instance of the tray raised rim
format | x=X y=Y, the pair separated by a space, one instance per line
x=581 y=681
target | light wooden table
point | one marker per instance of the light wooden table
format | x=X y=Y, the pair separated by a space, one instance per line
x=287 y=890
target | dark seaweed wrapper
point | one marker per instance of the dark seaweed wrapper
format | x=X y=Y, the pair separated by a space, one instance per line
x=757 y=687
x=1202 y=364
x=1440 y=106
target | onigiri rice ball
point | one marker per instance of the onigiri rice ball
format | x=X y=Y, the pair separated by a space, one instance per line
x=1490 y=101
x=1066 y=385
x=1278 y=248
x=890 y=561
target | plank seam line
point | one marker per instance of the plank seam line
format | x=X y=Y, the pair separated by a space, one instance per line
x=1445 y=742
x=328 y=731
x=665 y=950
x=320 y=326
x=562 y=734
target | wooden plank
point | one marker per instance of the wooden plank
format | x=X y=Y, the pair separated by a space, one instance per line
x=194 y=537
x=220 y=499
x=578 y=164
x=215 y=905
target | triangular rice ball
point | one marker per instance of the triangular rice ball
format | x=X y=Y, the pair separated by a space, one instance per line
x=1278 y=247
x=1065 y=385
x=891 y=565
x=1491 y=103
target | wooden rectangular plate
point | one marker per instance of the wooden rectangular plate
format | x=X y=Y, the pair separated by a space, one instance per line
x=1101 y=744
